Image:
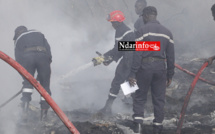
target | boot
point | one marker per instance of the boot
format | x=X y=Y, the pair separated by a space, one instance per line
x=157 y=129
x=25 y=107
x=24 y=115
x=43 y=116
x=44 y=110
x=106 y=110
x=137 y=128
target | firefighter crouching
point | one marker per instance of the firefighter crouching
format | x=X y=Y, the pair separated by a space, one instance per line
x=149 y=70
x=33 y=52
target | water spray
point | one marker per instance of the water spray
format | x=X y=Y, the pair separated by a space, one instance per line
x=95 y=61
x=75 y=71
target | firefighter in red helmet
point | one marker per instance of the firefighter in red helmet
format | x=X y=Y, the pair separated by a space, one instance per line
x=123 y=33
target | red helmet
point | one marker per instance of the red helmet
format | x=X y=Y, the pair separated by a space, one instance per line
x=116 y=16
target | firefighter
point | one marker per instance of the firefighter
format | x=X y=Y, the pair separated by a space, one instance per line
x=122 y=33
x=213 y=11
x=149 y=70
x=210 y=60
x=139 y=6
x=33 y=52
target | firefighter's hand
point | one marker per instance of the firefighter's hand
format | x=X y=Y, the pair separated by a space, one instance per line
x=107 y=62
x=50 y=60
x=210 y=61
x=168 y=82
x=132 y=81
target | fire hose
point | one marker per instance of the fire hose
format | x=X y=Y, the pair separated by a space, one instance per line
x=41 y=90
x=188 y=72
x=187 y=98
x=3 y=104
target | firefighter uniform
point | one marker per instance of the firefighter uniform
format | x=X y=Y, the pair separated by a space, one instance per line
x=152 y=69
x=33 y=52
x=138 y=24
x=123 y=33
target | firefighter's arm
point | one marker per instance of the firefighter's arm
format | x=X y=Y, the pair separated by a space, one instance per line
x=136 y=64
x=106 y=60
x=48 y=48
x=114 y=53
x=170 y=56
x=19 y=50
x=210 y=60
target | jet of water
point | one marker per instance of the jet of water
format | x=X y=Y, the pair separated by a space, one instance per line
x=75 y=71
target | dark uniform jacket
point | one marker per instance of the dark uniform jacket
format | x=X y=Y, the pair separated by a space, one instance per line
x=123 y=33
x=138 y=24
x=30 y=39
x=154 y=31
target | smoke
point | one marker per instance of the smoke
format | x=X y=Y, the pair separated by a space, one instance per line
x=76 y=29
x=191 y=23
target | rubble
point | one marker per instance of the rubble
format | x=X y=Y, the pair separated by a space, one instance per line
x=200 y=115
x=199 y=118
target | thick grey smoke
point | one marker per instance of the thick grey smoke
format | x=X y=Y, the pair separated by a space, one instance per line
x=76 y=29
x=191 y=23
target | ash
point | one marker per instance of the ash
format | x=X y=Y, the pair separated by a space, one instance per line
x=199 y=118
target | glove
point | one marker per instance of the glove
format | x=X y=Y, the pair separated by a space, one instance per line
x=132 y=81
x=107 y=62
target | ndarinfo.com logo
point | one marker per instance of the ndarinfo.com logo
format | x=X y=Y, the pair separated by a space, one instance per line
x=139 y=46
